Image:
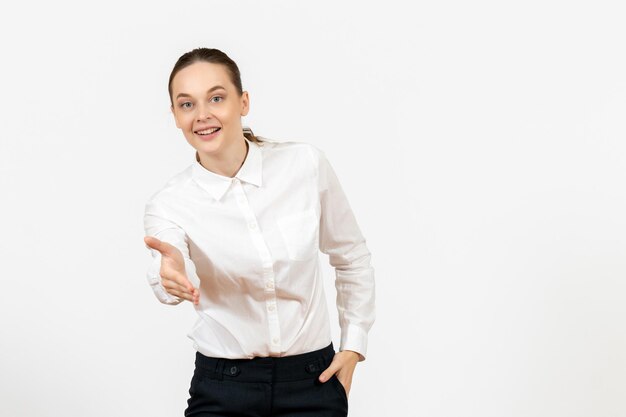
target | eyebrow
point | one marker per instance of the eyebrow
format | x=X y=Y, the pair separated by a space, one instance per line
x=217 y=87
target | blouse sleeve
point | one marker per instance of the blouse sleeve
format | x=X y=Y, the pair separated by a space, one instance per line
x=342 y=240
x=157 y=225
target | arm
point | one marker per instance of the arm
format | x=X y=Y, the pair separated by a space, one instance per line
x=157 y=225
x=342 y=240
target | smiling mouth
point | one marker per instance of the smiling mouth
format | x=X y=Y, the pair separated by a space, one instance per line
x=208 y=132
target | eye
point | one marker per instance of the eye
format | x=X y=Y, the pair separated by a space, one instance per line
x=217 y=97
x=183 y=104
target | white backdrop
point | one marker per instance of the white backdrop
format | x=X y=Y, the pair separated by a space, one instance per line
x=481 y=145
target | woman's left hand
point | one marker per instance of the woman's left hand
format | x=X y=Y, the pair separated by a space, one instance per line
x=343 y=365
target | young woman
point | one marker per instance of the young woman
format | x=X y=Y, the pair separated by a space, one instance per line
x=238 y=234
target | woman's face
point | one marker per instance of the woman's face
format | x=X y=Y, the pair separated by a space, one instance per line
x=205 y=98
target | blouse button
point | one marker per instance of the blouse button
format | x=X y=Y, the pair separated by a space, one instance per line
x=271 y=308
x=252 y=225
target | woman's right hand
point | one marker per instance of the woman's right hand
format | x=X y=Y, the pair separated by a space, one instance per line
x=174 y=277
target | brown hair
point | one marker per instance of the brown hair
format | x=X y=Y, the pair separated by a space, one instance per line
x=214 y=56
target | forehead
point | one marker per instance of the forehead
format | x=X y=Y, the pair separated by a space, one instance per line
x=198 y=77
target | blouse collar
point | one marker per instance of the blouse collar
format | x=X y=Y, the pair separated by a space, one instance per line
x=217 y=185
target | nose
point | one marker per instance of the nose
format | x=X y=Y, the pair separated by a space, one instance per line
x=203 y=112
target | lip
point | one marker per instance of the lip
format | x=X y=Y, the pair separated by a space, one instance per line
x=204 y=128
x=207 y=138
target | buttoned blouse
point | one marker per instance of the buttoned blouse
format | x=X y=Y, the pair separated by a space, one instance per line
x=251 y=244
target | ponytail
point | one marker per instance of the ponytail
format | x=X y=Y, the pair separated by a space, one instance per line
x=247 y=132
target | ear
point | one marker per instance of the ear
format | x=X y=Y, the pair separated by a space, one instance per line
x=245 y=103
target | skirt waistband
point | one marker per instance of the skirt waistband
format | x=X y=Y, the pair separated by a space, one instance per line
x=265 y=369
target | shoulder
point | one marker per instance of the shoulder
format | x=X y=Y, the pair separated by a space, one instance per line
x=173 y=188
x=291 y=149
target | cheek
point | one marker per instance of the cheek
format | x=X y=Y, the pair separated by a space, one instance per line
x=227 y=115
x=232 y=120
x=186 y=121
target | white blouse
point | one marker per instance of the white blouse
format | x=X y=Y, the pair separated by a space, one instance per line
x=251 y=245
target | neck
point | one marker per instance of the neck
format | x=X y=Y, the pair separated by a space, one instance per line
x=230 y=163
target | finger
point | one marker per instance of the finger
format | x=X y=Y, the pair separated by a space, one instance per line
x=193 y=292
x=152 y=242
x=176 y=278
x=182 y=294
x=328 y=373
x=155 y=243
x=165 y=248
x=179 y=283
x=195 y=299
x=185 y=283
x=174 y=286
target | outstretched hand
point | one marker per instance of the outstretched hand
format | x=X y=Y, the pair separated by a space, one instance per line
x=174 y=277
x=343 y=365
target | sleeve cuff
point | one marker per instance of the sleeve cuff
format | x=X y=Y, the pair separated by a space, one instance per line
x=154 y=279
x=163 y=295
x=355 y=339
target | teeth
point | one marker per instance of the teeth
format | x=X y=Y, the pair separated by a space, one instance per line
x=206 y=132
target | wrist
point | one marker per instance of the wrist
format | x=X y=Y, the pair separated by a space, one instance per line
x=353 y=354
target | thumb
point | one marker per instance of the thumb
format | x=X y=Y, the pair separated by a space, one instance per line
x=328 y=372
x=154 y=243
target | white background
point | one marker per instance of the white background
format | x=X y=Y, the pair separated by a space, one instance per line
x=481 y=145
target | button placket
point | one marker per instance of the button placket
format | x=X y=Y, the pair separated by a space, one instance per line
x=268 y=270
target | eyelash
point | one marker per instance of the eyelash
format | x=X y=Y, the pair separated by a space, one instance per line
x=183 y=104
